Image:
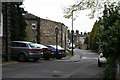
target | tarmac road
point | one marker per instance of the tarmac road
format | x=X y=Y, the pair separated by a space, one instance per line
x=86 y=67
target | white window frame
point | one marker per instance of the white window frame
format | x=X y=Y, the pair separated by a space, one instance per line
x=1 y=25
x=35 y=26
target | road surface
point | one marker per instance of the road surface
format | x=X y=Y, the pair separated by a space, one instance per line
x=86 y=67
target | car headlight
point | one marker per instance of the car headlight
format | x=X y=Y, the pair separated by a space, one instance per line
x=59 y=53
x=52 y=53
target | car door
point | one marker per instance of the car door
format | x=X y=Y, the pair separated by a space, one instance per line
x=13 y=49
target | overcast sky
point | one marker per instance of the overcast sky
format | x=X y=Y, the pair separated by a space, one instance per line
x=53 y=10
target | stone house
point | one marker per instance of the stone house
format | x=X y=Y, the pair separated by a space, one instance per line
x=1 y=27
x=32 y=28
x=6 y=31
x=46 y=30
x=5 y=28
x=78 y=39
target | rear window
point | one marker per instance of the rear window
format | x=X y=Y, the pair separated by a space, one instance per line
x=33 y=45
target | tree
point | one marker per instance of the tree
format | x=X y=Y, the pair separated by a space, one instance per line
x=106 y=32
x=18 y=24
x=110 y=39
x=93 y=5
x=93 y=39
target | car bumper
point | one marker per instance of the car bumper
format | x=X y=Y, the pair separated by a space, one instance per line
x=103 y=60
x=35 y=55
x=61 y=55
x=48 y=55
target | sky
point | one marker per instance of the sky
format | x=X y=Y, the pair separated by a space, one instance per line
x=53 y=10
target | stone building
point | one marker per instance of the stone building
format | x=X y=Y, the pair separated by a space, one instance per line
x=47 y=34
x=78 y=39
x=6 y=31
x=33 y=27
x=1 y=27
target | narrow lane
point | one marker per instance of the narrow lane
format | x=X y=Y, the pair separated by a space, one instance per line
x=88 y=63
x=85 y=68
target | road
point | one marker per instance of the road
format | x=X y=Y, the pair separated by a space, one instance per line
x=85 y=68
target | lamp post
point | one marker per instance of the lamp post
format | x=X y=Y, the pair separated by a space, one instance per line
x=56 y=32
x=72 y=32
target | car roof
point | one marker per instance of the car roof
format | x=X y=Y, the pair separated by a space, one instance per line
x=22 y=41
x=54 y=46
x=42 y=46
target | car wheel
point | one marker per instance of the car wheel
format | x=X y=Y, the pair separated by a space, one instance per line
x=22 y=58
x=36 y=59
x=46 y=58
x=99 y=63
x=58 y=58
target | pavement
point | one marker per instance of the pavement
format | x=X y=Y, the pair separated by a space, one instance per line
x=7 y=63
x=74 y=58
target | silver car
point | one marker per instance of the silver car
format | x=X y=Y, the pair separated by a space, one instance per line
x=23 y=51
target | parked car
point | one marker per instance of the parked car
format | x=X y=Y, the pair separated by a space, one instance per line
x=23 y=51
x=70 y=47
x=60 y=51
x=47 y=53
x=101 y=60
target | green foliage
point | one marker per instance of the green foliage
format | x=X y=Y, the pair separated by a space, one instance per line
x=18 y=24
x=93 y=5
x=69 y=53
x=105 y=36
x=86 y=40
x=93 y=38
x=110 y=68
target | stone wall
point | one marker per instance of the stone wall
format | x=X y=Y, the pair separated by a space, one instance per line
x=31 y=32
x=6 y=31
x=47 y=31
x=0 y=49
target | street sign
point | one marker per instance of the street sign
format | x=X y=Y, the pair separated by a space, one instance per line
x=56 y=30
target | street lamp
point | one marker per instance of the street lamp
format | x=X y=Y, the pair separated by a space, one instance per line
x=72 y=32
x=56 y=32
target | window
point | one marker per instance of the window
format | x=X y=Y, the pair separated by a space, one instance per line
x=15 y=44
x=34 y=45
x=34 y=26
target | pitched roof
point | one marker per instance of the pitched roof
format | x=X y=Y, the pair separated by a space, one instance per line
x=30 y=16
